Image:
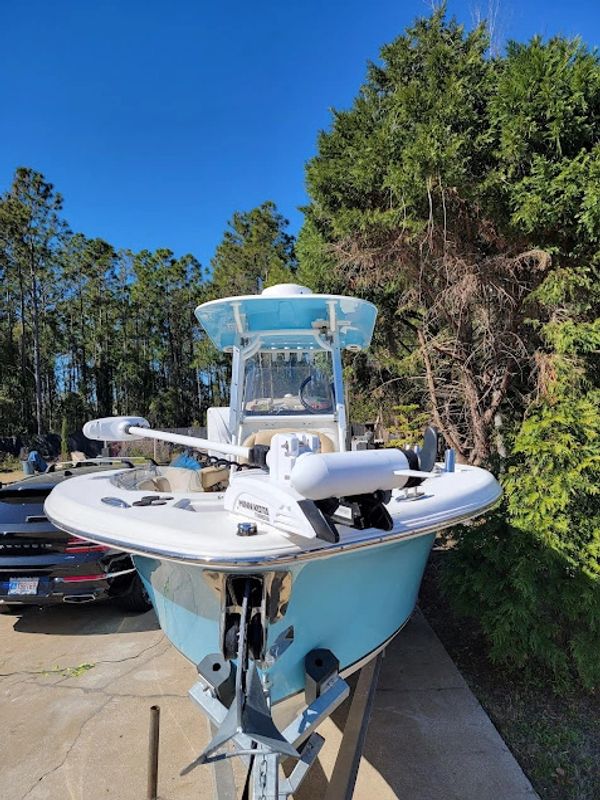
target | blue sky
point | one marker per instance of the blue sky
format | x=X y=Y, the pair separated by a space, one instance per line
x=156 y=120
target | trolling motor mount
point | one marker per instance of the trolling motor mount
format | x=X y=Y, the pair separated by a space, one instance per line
x=307 y=493
x=359 y=511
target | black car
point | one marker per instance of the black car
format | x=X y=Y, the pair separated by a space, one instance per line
x=42 y=565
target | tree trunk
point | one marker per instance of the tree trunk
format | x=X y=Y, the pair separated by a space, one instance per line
x=37 y=374
x=24 y=393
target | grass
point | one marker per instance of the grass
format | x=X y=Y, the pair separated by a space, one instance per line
x=71 y=672
x=556 y=740
x=8 y=463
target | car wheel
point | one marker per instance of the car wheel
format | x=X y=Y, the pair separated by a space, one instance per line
x=135 y=598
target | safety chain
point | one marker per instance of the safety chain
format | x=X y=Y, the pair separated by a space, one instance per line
x=263 y=778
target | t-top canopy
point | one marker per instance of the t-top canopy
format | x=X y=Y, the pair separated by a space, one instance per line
x=288 y=317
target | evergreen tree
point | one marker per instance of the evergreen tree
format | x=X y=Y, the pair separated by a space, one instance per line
x=88 y=320
x=88 y=331
x=163 y=297
x=446 y=193
x=31 y=233
x=255 y=251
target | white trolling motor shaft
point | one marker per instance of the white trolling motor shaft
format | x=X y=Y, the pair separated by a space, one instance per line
x=122 y=429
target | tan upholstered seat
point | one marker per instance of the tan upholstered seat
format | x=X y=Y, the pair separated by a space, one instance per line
x=158 y=484
x=179 y=479
x=214 y=478
x=264 y=437
x=174 y=479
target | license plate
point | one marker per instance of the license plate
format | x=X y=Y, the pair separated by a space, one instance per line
x=23 y=585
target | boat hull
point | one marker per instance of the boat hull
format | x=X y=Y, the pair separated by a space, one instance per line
x=351 y=603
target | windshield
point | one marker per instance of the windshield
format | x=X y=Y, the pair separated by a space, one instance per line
x=293 y=382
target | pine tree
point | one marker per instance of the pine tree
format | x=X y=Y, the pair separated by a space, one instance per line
x=31 y=233
x=255 y=251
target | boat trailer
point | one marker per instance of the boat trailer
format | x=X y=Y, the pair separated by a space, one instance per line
x=248 y=730
x=236 y=702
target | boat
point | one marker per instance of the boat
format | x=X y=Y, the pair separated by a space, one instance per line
x=293 y=554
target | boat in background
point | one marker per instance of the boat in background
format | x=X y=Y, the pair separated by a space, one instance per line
x=287 y=553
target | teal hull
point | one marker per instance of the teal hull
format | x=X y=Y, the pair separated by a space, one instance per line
x=350 y=603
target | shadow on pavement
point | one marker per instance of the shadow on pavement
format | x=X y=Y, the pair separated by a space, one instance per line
x=94 y=619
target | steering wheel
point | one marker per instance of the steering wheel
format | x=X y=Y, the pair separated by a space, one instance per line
x=322 y=409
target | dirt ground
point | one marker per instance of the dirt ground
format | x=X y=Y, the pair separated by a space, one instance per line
x=12 y=476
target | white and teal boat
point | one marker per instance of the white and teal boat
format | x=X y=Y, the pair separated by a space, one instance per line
x=288 y=542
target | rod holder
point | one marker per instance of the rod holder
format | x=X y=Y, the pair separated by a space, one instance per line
x=450 y=459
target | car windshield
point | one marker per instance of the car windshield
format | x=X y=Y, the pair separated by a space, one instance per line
x=292 y=382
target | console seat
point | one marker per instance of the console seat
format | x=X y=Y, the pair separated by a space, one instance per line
x=178 y=479
x=265 y=435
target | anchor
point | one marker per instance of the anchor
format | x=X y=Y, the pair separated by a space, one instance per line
x=246 y=722
x=249 y=714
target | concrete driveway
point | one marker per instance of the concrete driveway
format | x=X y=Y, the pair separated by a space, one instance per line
x=76 y=685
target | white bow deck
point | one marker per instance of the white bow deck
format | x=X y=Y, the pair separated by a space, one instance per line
x=210 y=536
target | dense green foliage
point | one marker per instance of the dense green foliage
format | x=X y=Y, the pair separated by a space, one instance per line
x=31 y=236
x=531 y=573
x=86 y=330
x=255 y=252
x=461 y=193
x=446 y=193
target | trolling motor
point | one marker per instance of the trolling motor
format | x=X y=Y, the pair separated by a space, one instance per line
x=293 y=486
x=350 y=488
x=365 y=507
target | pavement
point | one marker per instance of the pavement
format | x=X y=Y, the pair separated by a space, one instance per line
x=77 y=683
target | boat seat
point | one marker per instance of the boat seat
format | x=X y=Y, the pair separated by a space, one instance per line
x=157 y=484
x=265 y=435
x=179 y=479
x=214 y=478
